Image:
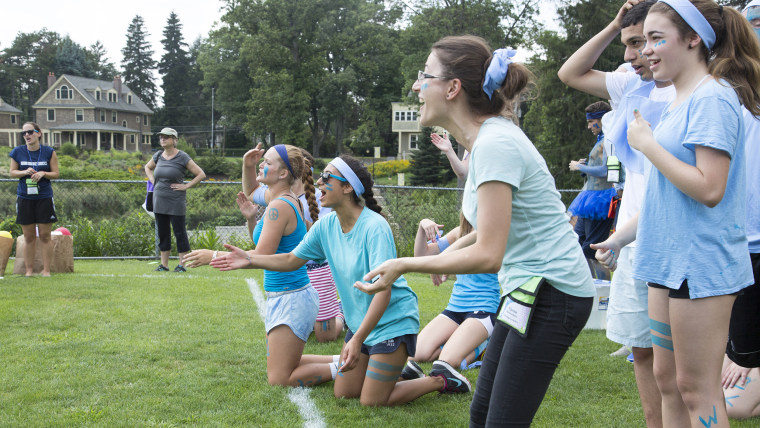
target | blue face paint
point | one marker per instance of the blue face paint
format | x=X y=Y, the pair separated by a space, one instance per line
x=595 y=126
x=328 y=186
x=660 y=43
x=266 y=171
x=423 y=87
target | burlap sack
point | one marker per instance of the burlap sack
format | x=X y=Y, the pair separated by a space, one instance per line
x=63 y=255
x=6 y=245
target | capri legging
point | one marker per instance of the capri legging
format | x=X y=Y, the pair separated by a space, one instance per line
x=164 y=233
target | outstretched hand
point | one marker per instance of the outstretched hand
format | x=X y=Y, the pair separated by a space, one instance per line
x=247 y=208
x=198 y=258
x=443 y=143
x=235 y=259
x=388 y=273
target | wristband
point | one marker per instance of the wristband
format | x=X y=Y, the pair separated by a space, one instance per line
x=214 y=256
x=248 y=257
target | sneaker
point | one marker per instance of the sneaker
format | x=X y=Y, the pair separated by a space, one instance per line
x=629 y=358
x=622 y=352
x=412 y=371
x=179 y=268
x=162 y=268
x=453 y=381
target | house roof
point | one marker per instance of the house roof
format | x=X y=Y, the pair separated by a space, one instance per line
x=84 y=85
x=7 y=108
x=96 y=126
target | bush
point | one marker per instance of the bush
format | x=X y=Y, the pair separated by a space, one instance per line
x=182 y=145
x=69 y=149
x=130 y=235
x=216 y=165
x=391 y=168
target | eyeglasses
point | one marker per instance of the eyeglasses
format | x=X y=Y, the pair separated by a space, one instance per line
x=325 y=176
x=29 y=132
x=422 y=75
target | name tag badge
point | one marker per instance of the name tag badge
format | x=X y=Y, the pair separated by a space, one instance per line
x=515 y=315
x=31 y=187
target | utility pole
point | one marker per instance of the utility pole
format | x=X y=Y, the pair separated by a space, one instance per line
x=213 y=140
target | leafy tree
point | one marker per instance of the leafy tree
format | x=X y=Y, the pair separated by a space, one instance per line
x=138 y=62
x=71 y=58
x=555 y=120
x=98 y=56
x=429 y=165
x=175 y=69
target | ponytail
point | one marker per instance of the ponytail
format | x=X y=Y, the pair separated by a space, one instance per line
x=308 y=188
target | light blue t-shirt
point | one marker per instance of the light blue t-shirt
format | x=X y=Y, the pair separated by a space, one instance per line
x=351 y=256
x=752 y=150
x=679 y=238
x=541 y=241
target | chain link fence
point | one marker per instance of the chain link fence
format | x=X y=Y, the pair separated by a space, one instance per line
x=107 y=220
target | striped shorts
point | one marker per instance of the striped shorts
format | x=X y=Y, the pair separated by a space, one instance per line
x=322 y=280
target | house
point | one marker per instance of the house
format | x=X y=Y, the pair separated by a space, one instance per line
x=405 y=122
x=10 y=125
x=93 y=114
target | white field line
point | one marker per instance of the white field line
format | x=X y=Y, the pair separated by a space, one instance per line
x=299 y=396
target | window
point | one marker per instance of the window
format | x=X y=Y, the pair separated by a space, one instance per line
x=413 y=141
x=414 y=115
x=145 y=120
x=397 y=115
x=79 y=115
x=102 y=115
x=51 y=115
x=97 y=95
x=137 y=118
x=13 y=118
x=111 y=97
x=64 y=93
x=132 y=138
x=113 y=116
x=129 y=99
x=124 y=123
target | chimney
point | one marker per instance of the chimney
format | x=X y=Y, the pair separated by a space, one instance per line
x=117 y=86
x=51 y=79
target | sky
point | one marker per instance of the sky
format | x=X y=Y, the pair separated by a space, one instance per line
x=88 y=21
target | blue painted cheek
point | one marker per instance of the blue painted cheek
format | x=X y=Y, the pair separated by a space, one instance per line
x=328 y=187
x=660 y=43
x=423 y=87
x=595 y=126
x=266 y=171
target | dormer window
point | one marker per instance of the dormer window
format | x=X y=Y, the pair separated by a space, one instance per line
x=112 y=97
x=129 y=99
x=64 y=93
x=97 y=95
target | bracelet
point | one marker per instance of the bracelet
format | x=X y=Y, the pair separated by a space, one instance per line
x=248 y=257
x=214 y=256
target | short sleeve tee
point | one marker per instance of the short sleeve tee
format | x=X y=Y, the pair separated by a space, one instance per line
x=679 y=238
x=752 y=150
x=351 y=256
x=40 y=161
x=169 y=171
x=541 y=241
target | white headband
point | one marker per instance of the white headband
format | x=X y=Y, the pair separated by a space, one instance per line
x=349 y=174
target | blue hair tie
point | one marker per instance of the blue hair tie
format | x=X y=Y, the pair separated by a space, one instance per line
x=283 y=152
x=497 y=70
x=694 y=19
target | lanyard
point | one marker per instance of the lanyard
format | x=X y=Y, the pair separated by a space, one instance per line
x=39 y=155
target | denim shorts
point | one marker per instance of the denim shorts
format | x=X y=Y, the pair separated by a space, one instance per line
x=388 y=346
x=628 y=310
x=485 y=318
x=296 y=309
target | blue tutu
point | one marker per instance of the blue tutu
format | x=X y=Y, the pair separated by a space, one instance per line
x=593 y=204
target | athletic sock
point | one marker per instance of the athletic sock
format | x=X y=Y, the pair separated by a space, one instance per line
x=336 y=358
x=333 y=369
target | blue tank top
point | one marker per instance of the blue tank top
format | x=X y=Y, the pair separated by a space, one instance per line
x=40 y=161
x=473 y=292
x=284 y=281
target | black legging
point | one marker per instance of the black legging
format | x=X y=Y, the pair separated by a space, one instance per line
x=744 y=331
x=516 y=371
x=165 y=236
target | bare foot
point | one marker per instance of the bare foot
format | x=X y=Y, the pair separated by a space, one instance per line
x=46 y=274
x=29 y=274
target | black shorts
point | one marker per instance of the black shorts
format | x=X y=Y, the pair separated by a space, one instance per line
x=388 y=346
x=681 y=293
x=460 y=317
x=744 y=330
x=35 y=211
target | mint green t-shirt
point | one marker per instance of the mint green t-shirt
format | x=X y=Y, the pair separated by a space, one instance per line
x=351 y=256
x=541 y=241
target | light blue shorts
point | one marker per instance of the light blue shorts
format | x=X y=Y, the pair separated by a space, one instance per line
x=628 y=311
x=296 y=309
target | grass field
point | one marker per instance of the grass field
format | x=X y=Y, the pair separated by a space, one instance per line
x=116 y=344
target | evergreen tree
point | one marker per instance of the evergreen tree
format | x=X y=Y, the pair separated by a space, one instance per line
x=71 y=58
x=175 y=69
x=138 y=62
x=98 y=56
x=429 y=165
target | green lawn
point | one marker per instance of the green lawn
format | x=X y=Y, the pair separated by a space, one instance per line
x=116 y=344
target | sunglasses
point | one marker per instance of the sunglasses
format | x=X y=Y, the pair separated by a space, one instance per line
x=325 y=176
x=29 y=132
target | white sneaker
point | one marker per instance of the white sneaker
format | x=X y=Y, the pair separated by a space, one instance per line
x=622 y=352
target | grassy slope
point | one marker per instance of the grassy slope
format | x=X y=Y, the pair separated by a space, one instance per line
x=117 y=344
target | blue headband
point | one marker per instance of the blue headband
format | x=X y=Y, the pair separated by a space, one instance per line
x=497 y=70
x=753 y=3
x=283 y=152
x=694 y=19
x=349 y=174
x=596 y=114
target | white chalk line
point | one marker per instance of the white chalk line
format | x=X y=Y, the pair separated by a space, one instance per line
x=307 y=408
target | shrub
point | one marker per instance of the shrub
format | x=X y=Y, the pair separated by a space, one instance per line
x=390 y=168
x=182 y=145
x=217 y=165
x=69 y=149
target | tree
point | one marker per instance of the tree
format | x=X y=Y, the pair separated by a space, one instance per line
x=98 y=56
x=71 y=58
x=555 y=120
x=429 y=165
x=175 y=69
x=138 y=62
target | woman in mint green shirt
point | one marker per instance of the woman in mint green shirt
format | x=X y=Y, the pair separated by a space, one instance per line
x=521 y=230
x=382 y=329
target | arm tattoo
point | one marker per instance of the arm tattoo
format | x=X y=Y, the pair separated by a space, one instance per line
x=273 y=214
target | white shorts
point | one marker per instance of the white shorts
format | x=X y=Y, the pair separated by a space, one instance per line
x=627 y=313
x=296 y=309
